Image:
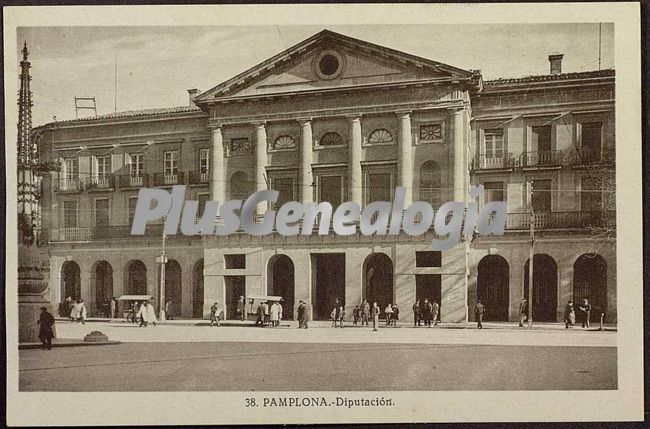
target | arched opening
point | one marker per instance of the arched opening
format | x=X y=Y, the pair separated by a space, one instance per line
x=197 y=290
x=492 y=287
x=544 y=288
x=378 y=280
x=103 y=287
x=431 y=183
x=240 y=186
x=281 y=282
x=173 y=285
x=590 y=282
x=70 y=280
x=136 y=278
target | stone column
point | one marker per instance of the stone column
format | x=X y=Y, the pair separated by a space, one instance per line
x=355 y=160
x=217 y=176
x=405 y=156
x=306 y=155
x=260 y=163
x=460 y=165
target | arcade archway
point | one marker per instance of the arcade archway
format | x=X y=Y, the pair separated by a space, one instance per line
x=493 y=287
x=281 y=282
x=544 y=288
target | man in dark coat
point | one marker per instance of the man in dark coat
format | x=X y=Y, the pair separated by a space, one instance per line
x=260 y=315
x=46 y=333
x=417 y=314
x=478 y=313
x=585 y=310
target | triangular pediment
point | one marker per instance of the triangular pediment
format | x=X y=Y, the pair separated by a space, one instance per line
x=330 y=60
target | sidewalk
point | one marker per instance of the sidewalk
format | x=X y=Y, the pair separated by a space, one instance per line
x=65 y=342
x=348 y=324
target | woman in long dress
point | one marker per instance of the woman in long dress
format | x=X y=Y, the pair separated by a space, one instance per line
x=275 y=312
x=151 y=314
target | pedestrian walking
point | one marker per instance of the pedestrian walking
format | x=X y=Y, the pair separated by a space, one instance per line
x=169 y=310
x=375 y=315
x=341 y=315
x=142 y=314
x=585 y=311
x=356 y=315
x=135 y=308
x=479 y=310
x=67 y=308
x=426 y=312
x=301 y=314
x=523 y=312
x=307 y=315
x=274 y=314
x=417 y=314
x=280 y=310
x=151 y=314
x=241 y=308
x=267 y=313
x=388 y=311
x=395 y=315
x=435 y=310
x=365 y=312
x=46 y=328
x=82 y=312
x=260 y=315
x=569 y=315
x=214 y=314
x=114 y=308
x=106 y=307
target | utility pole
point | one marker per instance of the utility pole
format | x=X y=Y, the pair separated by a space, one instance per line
x=163 y=260
x=531 y=257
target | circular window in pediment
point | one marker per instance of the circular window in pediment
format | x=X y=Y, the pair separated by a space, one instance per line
x=329 y=64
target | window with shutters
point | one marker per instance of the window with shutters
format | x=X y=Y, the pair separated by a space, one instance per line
x=136 y=166
x=204 y=161
x=171 y=162
x=103 y=166
x=72 y=168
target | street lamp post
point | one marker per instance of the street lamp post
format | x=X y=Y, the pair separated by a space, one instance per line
x=531 y=256
x=162 y=275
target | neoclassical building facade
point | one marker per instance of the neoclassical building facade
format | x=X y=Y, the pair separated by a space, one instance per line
x=338 y=119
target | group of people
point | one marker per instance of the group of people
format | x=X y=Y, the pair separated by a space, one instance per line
x=584 y=309
x=269 y=315
x=362 y=313
x=426 y=311
x=303 y=315
x=75 y=310
x=146 y=313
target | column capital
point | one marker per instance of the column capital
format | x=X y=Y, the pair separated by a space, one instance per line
x=304 y=120
x=354 y=116
x=259 y=124
x=403 y=113
x=213 y=125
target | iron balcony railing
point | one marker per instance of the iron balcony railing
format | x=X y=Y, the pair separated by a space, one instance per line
x=514 y=222
x=167 y=179
x=542 y=158
x=490 y=162
x=196 y=177
x=133 y=180
x=588 y=156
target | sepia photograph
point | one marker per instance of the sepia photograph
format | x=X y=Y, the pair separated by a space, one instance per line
x=321 y=218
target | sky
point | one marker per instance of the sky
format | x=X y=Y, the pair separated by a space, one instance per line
x=156 y=65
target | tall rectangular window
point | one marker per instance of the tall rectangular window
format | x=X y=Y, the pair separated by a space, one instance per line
x=541 y=138
x=590 y=140
x=285 y=187
x=171 y=163
x=379 y=187
x=103 y=166
x=133 y=201
x=330 y=190
x=204 y=161
x=137 y=165
x=493 y=145
x=70 y=214
x=72 y=168
x=203 y=198
x=541 y=196
x=591 y=194
x=101 y=212
x=493 y=191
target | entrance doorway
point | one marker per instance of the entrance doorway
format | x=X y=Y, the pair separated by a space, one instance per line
x=492 y=287
x=197 y=290
x=378 y=281
x=544 y=288
x=70 y=280
x=136 y=273
x=103 y=285
x=590 y=282
x=281 y=282
x=329 y=283
x=173 y=288
x=429 y=286
x=235 y=287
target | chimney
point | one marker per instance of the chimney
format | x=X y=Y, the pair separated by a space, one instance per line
x=556 y=63
x=193 y=93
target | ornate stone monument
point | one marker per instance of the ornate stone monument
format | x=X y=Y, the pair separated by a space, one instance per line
x=33 y=263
